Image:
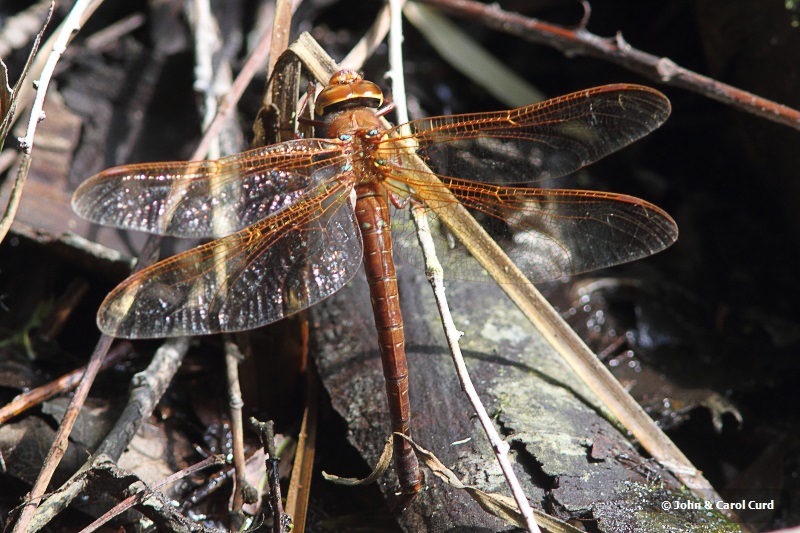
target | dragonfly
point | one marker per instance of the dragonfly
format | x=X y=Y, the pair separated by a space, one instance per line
x=292 y=222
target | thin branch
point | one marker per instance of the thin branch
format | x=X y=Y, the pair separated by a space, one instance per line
x=8 y=115
x=207 y=42
x=281 y=523
x=433 y=271
x=578 y=41
x=255 y=62
x=367 y=45
x=139 y=497
x=243 y=492
x=300 y=485
x=66 y=382
x=396 y=70
x=147 y=388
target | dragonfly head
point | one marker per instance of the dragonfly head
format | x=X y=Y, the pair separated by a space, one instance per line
x=347 y=89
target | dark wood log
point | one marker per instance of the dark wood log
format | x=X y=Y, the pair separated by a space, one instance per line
x=571 y=461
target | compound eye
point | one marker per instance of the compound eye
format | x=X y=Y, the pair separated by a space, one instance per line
x=347 y=86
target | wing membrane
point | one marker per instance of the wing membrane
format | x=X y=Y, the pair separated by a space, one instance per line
x=537 y=142
x=548 y=233
x=279 y=266
x=207 y=198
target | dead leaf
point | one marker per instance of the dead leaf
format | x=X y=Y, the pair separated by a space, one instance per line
x=380 y=468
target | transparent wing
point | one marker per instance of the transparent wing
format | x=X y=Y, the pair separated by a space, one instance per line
x=207 y=198
x=279 y=266
x=548 y=233
x=537 y=142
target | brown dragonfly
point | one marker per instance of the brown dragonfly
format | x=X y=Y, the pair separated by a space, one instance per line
x=289 y=234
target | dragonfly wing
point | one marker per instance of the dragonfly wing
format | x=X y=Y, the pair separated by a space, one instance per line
x=548 y=233
x=196 y=199
x=537 y=142
x=277 y=267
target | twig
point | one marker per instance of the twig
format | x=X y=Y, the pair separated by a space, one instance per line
x=111 y=34
x=139 y=497
x=66 y=382
x=579 y=41
x=9 y=115
x=433 y=271
x=66 y=303
x=207 y=42
x=280 y=31
x=216 y=481
x=17 y=30
x=396 y=71
x=243 y=492
x=59 y=446
x=147 y=389
x=266 y=431
x=463 y=53
x=303 y=467
x=366 y=46
x=255 y=62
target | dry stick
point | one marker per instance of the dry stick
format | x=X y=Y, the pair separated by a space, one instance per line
x=66 y=303
x=367 y=45
x=68 y=29
x=147 y=388
x=281 y=31
x=45 y=72
x=303 y=467
x=206 y=43
x=243 y=491
x=66 y=382
x=213 y=483
x=18 y=29
x=113 y=33
x=139 y=497
x=578 y=41
x=266 y=430
x=258 y=57
x=208 y=80
x=529 y=299
x=433 y=271
x=396 y=71
x=255 y=63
